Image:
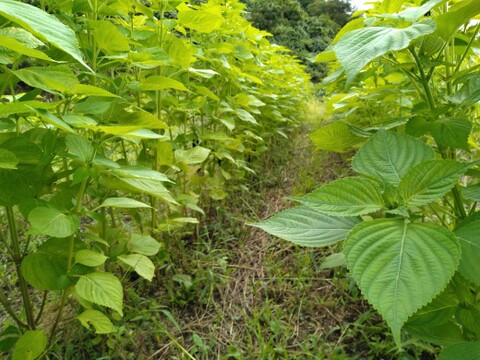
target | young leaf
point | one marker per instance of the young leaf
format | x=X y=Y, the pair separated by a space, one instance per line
x=333 y=261
x=161 y=83
x=305 y=226
x=90 y=258
x=388 y=156
x=194 y=156
x=30 y=346
x=401 y=266
x=51 y=222
x=345 y=197
x=335 y=137
x=98 y=320
x=142 y=265
x=202 y=20
x=429 y=180
x=123 y=202
x=468 y=233
x=358 y=47
x=101 y=288
x=143 y=244
x=44 y=26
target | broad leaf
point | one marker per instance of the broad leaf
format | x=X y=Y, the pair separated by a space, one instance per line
x=90 y=258
x=468 y=232
x=457 y=15
x=123 y=202
x=162 y=83
x=45 y=271
x=472 y=192
x=53 y=120
x=307 y=227
x=140 y=172
x=335 y=137
x=464 y=351
x=193 y=156
x=345 y=197
x=52 y=79
x=8 y=160
x=51 y=222
x=333 y=261
x=401 y=266
x=358 y=47
x=98 y=320
x=388 y=156
x=30 y=346
x=80 y=147
x=20 y=48
x=445 y=334
x=143 y=244
x=142 y=265
x=202 y=20
x=451 y=132
x=107 y=36
x=430 y=180
x=101 y=288
x=151 y=187
x=44 y=26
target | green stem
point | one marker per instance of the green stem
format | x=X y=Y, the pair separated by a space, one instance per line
x=424 y=80
x=464 y=55
x=17 y=260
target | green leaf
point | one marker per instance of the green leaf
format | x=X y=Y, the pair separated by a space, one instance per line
x=107 y=37
x=458 y=14
x=451 y=132
x=333 y=261
x=31 y=345
x=51 y=222
x=151 y=187
x=45 y=271
x=90 y=258
x=101 y=288
x=123 y=202
x=345 y=197
x=401 y=266
x=143 y=244
x=430 y=180
x=52 y=79
x=193 y=156
x=80 y=147
x=44 y=26
x=140 y=172
x=307 y=227
x=472 y=192
x=465 y=351
x=142 y=265
x=335 y=137
x=244 y=115
x=98 y=320
x=444 y=334
x=8 y=160
x=388 y=156
x=155 y=83
x=53 y=120
x=18 y=47
x=468 y=232
x=358 y=47
x=204 y=20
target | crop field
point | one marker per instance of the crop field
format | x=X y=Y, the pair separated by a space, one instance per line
x=226 y=179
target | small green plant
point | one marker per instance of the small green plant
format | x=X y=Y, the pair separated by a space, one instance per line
x=408 y=220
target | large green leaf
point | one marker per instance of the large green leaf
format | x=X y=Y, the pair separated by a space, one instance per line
x=52 y=222
x=30 y=345
x=52 y=78
x=462 y=351
x=142 y=265
x=107 y=36
x=388 y=156
x=429 y=180
x=151 y=187
x=44 y=26
x=20 y=48
x=345 y=197
x=80 y=147
x=358 y=47
x=140 y=172
x=8 y=160
x=162 y=83
x=45 y=271
x=445 y=334
x=468 y=232
x=335 y=137
x=98 y=320
x=203 y=20
x=457 y=15
x=307 y=227
x=451 y=132
x=123 y=202
x=143 y=244
x=90 y=258
x=193 y=156
x=101 y=288
x=401 y=266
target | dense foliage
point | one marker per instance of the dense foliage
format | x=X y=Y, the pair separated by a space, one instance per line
x=120 y=122
x=305 y=27
x=405 y=94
